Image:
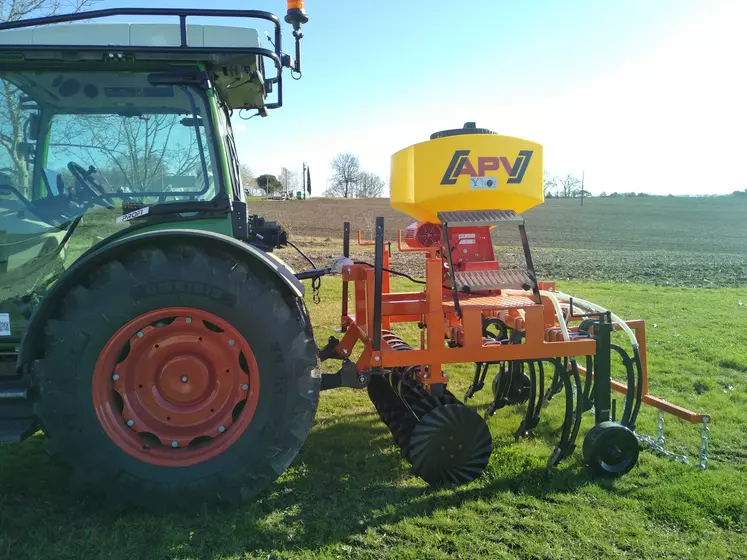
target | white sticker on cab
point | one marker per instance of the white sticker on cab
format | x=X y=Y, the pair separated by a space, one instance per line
x=4 y=324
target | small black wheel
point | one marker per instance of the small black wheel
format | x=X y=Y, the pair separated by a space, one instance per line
x=610 y=449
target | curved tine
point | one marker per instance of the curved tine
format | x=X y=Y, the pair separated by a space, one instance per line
x=540 y=394
x=473 y=388
x=630 y=393
x=565 y=436
x=638 y=389
x=578 y=410
x=526 y=423
x=589 y=384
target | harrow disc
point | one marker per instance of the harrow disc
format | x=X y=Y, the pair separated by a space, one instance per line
x=450 y=444
x=610 y=449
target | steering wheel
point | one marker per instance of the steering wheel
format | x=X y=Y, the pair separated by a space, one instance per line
x=84 y=179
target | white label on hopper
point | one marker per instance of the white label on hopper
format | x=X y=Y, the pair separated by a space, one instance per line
x=483 y=183
x=466 y=236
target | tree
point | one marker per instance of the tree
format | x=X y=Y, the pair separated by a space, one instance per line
x=569 y=186
x=346 y=170
x=289 y=181
x=370 y=185
x=269 y=183
x=142 y=151
x=12 y=123
x=550 y=185
x=246 y=175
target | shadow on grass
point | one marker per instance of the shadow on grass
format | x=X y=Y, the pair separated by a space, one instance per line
x=349 y=477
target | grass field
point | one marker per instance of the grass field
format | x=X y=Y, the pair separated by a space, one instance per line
x=349 y=494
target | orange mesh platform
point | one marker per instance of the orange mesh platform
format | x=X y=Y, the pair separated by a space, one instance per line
x=489 y=302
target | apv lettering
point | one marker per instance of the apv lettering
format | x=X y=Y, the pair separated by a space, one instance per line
x=461 y=164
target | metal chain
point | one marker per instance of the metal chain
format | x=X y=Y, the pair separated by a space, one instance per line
x=705 y=437
x=315 y=285
x=657 y=445
x=660 y=429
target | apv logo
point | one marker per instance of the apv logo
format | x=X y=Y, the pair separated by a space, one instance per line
x=460 y=164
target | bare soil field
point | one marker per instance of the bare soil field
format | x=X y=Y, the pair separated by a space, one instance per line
x=667 y=241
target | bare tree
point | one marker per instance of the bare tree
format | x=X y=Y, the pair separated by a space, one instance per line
x=289 y=180
x=139 y=150
x=11 y=115
x=550 y=185
x=246 y=175
x=569 y=186
x=346 y=170
x=370 y=185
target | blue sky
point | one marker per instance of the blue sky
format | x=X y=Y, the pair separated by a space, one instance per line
x=644 y=95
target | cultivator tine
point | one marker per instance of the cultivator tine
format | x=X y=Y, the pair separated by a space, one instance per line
x=588 y=396
x=571 y=384
x=528 y=422
x=478 y=382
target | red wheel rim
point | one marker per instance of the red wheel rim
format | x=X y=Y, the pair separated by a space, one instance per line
x=175 y=387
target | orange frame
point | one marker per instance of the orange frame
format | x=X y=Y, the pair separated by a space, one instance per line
x=434 y=310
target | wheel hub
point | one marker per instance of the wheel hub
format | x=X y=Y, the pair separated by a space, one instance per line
x=176 y=386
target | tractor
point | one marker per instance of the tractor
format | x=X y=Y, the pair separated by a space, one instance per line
x=149 y=329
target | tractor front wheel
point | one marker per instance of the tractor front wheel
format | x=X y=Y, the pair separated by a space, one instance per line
x=177 y=376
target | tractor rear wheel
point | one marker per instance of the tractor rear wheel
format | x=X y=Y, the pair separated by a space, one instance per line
x=178 y=376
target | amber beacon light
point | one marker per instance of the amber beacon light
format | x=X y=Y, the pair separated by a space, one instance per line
x=296 y=14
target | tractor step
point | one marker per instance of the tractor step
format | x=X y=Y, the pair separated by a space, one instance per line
x=17 y=421
x=484 y=280
x=478 y=217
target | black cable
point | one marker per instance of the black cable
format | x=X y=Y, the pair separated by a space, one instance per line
x=300 y=252
x=410 y=278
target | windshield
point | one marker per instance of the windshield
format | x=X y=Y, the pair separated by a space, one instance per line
x=79 y=151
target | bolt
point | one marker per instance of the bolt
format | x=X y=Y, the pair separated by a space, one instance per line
x=130 y=423
x=451 y=456
x=465 y=251
x=347 y=271
x=377 y=359
x=231 y=342
x=445 y=375
x=189 y=320
x=451 y=438
x=140 y=334
x=185 y=378
x=174 y=444
x=426 y=375
x=222 y=429
x=245 y=387
x=115 y=377
x=362 y=379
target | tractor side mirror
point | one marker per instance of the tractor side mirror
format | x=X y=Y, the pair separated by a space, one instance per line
x=33 y=124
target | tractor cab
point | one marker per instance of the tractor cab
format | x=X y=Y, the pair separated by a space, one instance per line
x=111 y=127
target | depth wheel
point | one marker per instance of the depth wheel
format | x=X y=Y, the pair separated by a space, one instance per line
x=610 y=449
x=451 y=444
x=177 y=376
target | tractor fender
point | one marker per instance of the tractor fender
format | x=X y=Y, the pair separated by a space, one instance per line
x=77 y=271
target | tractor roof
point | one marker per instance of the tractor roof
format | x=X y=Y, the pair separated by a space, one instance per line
x=108 y=35
x=232 y=53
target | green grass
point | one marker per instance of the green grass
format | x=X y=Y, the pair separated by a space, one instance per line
x=350 y=495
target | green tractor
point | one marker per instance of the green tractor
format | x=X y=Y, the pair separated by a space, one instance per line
x=145 y=325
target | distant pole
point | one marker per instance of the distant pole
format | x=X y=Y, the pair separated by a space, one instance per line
x=582 y=188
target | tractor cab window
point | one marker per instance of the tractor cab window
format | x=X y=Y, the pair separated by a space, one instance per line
x=78 y=150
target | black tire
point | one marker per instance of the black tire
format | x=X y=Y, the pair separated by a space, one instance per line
x=273 y=322
x=610 y=449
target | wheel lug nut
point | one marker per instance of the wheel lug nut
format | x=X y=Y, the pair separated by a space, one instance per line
x=185 y=378
x=222 y=429
x=140 y=334
x=189 y=320
x=130 y=423
x=174 y=444
x=115 y=377
x=245 y=387
x=231 y=342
